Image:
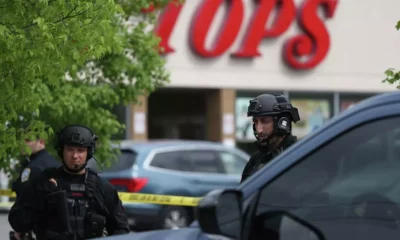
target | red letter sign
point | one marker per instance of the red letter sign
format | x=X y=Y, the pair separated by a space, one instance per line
x=166 y=24
x=316 y=40
x=313 y=44
x=257 y=29
x=227 y=35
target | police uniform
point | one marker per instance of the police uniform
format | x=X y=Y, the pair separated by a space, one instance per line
x=79 y=206
x=32 y=168
x=262 y=156
x=283 y=114
x=37 y=163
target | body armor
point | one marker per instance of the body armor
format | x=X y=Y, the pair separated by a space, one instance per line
x=263 y=156
x=76 y=212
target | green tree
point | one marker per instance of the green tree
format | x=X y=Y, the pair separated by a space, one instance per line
x=71 y=62
x=393 y=75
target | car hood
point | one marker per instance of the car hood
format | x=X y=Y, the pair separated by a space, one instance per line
x=180 y=234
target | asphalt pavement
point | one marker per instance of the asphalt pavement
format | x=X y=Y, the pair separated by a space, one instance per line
x=4 y=226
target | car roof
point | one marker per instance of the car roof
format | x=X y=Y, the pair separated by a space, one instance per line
x=371 y=102
x=380 y=99
x=163 y=143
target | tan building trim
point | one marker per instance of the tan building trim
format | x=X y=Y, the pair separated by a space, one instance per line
x=138 y=119
x=221 y=115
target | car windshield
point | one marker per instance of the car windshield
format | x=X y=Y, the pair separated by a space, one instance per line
x=125 y=160
x=348 y=188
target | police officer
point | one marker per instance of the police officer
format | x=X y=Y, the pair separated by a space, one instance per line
x=273 y=116
x=70 y=202
x=38 y=160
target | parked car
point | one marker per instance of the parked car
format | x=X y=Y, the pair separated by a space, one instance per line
x=340 y=182
x=172 y=167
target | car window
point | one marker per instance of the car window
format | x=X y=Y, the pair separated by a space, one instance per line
x=172 y=160
x=204 y=161
x=349 y=188
x=233 y=164
x=125 y=160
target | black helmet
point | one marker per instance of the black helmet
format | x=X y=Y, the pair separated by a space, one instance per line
x=77 y=135
x=277 y=106
x=269 y=105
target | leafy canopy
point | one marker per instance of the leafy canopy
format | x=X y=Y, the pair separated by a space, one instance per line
x=72 y=61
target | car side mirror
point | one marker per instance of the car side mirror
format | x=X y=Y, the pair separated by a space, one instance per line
x=220 y=213
x=283 y=225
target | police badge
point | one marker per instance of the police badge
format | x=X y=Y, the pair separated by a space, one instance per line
x=25 y=174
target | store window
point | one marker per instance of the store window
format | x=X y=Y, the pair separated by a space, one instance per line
x=177 y=114
x=315 y=110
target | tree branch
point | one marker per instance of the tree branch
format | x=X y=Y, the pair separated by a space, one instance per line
x=66 y=17
x=71 y=16
x=60 y=20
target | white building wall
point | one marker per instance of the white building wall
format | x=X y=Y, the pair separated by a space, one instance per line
x=364 y=43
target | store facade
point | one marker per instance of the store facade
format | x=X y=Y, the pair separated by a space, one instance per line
x=325 y=55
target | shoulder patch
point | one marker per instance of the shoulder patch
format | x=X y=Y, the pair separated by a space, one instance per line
x=25 y=174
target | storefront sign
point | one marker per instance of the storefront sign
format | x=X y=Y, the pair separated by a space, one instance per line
x=303 y=51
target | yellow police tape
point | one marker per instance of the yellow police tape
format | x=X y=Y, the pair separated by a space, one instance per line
x=140 y=198
x=7 y=193
x=158 y=199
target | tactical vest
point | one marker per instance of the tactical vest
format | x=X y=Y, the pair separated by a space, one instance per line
x=78 y=213
x=262 y=157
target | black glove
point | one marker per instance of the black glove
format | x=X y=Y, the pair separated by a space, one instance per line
x=48 y=187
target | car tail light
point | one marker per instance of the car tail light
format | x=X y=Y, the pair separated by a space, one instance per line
x=132 y=185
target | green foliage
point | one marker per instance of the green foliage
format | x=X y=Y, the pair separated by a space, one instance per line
x=393 y=75
x=71 y=61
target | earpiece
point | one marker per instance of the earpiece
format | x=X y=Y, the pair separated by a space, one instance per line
x=283 y=125
x=93 y=148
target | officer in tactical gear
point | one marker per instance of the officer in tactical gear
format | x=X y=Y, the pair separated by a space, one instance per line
x=273 y=116
x=72 y=201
